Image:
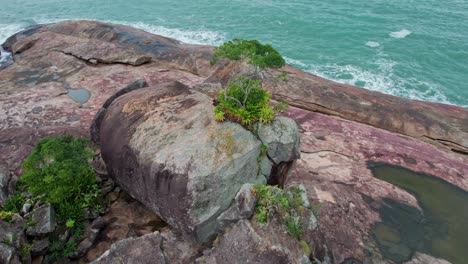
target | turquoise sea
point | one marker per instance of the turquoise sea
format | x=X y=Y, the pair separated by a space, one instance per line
x=410 y=48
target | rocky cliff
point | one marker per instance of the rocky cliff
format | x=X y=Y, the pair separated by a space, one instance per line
x=62 y=74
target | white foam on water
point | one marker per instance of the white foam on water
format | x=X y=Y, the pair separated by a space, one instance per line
x=381 y=79
x=400 y=34
x=203 y=37
x=372 y=44
x=7 y=30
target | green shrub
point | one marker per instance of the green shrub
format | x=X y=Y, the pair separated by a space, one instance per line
x=14 y=203
x=6 y=215
x=258 y=54
x=286 y=204
x=58 y=170
x=245 y=102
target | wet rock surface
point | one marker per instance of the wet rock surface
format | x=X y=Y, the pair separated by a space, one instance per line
x=334 y=170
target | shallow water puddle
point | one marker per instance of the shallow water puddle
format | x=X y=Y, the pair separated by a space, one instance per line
x=80 y=95
x=440 y=230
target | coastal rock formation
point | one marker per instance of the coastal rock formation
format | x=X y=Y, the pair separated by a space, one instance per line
x=334 y=170
x=63 y=73
x=443 y=125
x=185 y=167
x=145 y=249
x=252 y=243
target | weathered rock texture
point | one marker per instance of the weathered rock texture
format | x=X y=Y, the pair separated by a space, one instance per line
x=52 y=59
x=333 y=169
x=186 y=167
x=341 y=126
x=145 y=249
x=44 y=221
x=252 y=243
x=443 y=125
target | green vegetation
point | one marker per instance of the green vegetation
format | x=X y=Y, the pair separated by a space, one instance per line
x=285 y=204
x=60 y=249
x=244 y=102
x=12 y=205
x=70 y=223
x=257 y=54
x=6 y=215
x=283 y=76
x=58 y=170
x=24 y=250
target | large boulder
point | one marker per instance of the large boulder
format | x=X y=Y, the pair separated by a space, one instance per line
x=163 y=146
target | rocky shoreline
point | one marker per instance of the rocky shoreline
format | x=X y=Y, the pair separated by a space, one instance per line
x=341 y=129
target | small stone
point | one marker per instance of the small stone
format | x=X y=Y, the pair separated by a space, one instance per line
x=64 y=236
x=242 y=208
x=93 y=61
x=26 y=194
x=91 y=233
x=40 y=247
x=281 y=138
x=16 y=218
x=26 y=208
x=44 y=221
x=265 y=166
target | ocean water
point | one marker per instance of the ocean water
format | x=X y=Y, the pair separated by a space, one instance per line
x=408 y=48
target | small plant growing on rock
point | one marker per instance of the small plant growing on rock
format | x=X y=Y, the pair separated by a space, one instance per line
x=14 y=203
x=285 y=204
x=257 y=54
x=245 y=102
x=70 y=223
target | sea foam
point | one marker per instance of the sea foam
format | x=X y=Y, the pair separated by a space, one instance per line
x=372 y=44
x=7 y=30
x=190 y=36
x=381 y=79
x=400 y=34
x=204 y=37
